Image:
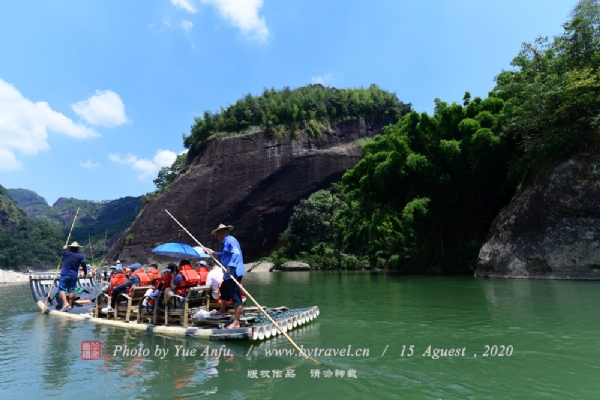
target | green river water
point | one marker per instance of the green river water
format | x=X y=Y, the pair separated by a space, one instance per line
x=520 y=339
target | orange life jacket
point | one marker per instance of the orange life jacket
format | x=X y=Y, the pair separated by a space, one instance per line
x=153 y=273
x=191 y=278
x=203 y=271
x=116 y=280
x=142 y=276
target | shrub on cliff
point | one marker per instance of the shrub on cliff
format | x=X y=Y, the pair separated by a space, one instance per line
x=304 y=108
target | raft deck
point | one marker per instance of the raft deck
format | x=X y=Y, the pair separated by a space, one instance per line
x=87 y=289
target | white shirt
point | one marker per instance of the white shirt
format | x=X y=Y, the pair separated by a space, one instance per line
x=215 y=276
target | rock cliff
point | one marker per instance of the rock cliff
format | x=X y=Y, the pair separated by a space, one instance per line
x=251 y=181
x=551 y=231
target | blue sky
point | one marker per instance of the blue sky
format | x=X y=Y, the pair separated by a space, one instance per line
x=95 y=95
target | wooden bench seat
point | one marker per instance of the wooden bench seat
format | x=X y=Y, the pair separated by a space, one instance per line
x=125 y=305
x=177 y=308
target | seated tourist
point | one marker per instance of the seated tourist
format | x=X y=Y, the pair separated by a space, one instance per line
x=164 y=281
x=153 y=272
x=203 y=271
x=138 y=278
x=214 y=279
x=186 y=278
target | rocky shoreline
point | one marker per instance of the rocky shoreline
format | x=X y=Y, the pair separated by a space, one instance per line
x=13 y=277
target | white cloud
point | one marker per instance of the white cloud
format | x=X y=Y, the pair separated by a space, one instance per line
x=8 y=161
x=244 y=15
x=147 y=168
x=105 y=108
x=187 y=25
x=89 y=164
x=24 y=126
x=321 y=79
x=186 y=5
x=116 y=157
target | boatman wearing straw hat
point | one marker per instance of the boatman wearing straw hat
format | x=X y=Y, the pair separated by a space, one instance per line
x=68 y=276
x=231 y=258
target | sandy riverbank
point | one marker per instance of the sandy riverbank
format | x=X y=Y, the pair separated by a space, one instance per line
x=12 y=277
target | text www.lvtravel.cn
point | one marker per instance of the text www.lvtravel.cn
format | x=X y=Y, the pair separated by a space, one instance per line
x=316 y=352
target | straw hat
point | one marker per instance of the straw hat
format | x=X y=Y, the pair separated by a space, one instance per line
x=74 y=244
x=221 y=227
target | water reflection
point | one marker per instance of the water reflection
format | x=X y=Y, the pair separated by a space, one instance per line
x=259 y=278
x=295 y=277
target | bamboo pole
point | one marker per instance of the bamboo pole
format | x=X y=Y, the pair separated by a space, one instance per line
x=101 y=264
x=58 y=266
x=249 y=295
x=91 y=249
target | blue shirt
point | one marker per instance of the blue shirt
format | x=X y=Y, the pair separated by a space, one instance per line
x=178 y=279
x=71 y=263
x=133 y=280
x=231 y=256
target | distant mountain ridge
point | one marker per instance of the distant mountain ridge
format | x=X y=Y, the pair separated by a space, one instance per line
x=100 y=223
x=30 y=201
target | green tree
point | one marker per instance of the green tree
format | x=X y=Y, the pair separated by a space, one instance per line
x=552 y=97
x=167 y=175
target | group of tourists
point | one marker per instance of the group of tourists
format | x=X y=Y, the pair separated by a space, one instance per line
x=175 y=279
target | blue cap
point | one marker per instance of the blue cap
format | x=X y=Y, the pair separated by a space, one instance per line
x=135 y=267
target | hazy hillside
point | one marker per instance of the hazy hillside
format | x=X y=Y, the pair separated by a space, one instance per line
x=30 y=201
x=101 y=223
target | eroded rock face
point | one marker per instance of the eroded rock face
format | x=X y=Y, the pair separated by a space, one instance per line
x=250 y=181
x=550 y=231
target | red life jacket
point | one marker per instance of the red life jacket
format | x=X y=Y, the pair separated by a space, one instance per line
x=162 y=283
x=230 y=301
x=191 y=278
x=153 y=273
x=142 y=276
x=116 y=280
x=165 y=281
x=203 y=271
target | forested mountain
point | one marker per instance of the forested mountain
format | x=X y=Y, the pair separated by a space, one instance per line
x=425 y=193
x=25 y=242
x=99 y=224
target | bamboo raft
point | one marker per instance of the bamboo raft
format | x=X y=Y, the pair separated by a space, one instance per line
x=134 y=315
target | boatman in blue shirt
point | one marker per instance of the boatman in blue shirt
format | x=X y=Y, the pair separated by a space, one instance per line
x=231 y=258
x=68 y=276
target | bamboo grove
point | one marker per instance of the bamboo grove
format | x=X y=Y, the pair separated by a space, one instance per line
x=425 y=193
